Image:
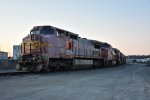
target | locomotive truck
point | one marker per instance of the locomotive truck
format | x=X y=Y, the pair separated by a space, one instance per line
x=52 y=48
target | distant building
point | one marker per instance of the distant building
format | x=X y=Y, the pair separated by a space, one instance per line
x=3 y=55
x=16 y=51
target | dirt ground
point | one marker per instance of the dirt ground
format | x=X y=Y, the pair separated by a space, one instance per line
x=126 y=82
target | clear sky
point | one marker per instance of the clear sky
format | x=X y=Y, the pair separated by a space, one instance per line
x=125 y=24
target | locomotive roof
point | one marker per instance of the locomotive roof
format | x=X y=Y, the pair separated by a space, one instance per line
x=96 y=42
x=116 y=49
x=56 y=29
x=102 y=44
x=106 y=45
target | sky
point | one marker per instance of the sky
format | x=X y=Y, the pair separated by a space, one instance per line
x=125 y=24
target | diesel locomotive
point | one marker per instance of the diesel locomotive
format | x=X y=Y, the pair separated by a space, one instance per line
x=52 y=48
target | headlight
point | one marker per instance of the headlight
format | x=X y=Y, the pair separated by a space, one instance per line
x=32 y=37
x=33 y=58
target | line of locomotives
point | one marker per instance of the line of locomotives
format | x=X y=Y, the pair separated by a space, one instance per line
x=51 y=48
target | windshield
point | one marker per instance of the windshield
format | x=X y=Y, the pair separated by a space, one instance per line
x=42 y=30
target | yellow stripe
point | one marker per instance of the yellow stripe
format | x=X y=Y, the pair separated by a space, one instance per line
x=37 y=44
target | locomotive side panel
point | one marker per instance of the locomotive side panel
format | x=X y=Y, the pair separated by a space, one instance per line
x=85 y=48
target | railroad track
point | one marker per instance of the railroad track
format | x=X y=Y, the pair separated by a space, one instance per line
x=16 y=73
x=20 y=73
x=13 y=73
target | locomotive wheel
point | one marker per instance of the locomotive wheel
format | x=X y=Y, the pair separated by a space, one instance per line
x=110 y=63
x=44 y=69
x=18 y=67
x=53 y=69
x=61 y=68
x=24 y=69
x=102 y=64
x=39 y=67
